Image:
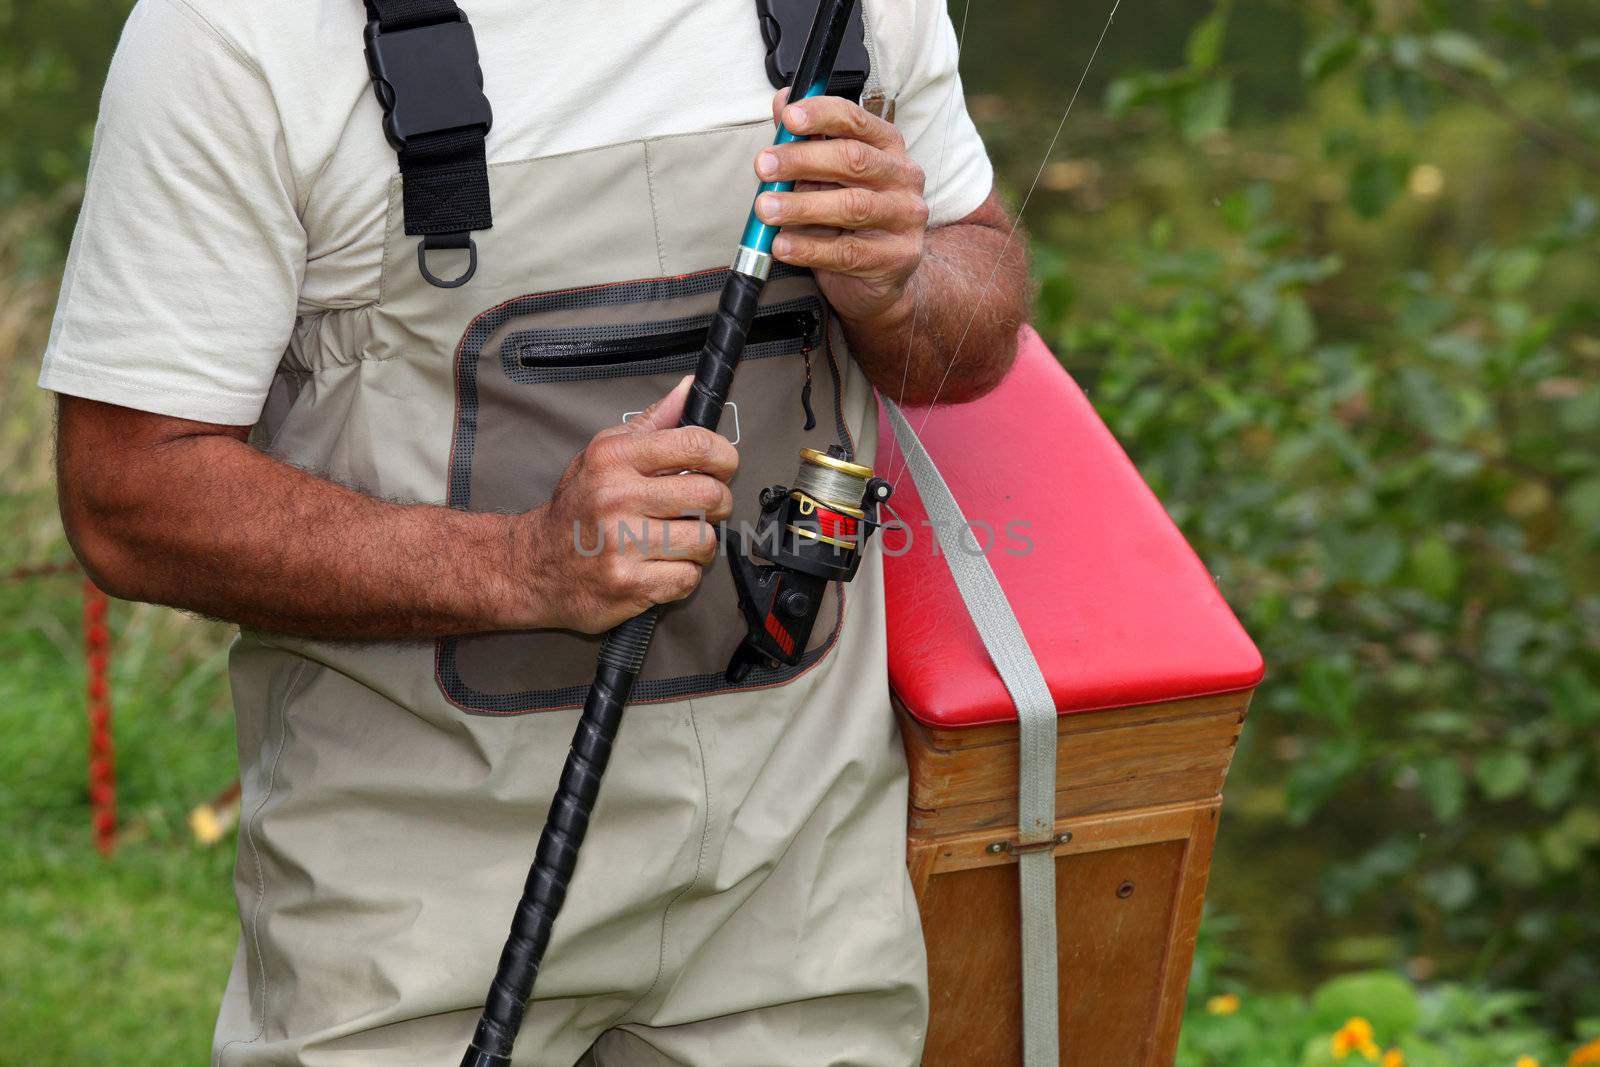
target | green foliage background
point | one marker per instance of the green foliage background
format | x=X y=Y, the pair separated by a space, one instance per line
x=1330 y=272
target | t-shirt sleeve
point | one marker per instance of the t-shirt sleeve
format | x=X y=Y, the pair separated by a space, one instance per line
x=931 y=108
x=181 y=287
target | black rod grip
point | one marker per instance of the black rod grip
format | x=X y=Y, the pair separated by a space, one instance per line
x=621 y=655
x=822 y=45
x=719 y=358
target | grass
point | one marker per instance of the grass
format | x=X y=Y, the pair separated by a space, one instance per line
x=101 y=960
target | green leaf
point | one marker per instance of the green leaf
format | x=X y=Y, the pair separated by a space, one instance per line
x=1244 y=208
x=1314 y=779
x=1507 y=633
x=1581 y=501
x=1503 y=774
x=1435 y=567
x=1583 y=826
x=1557 y=780
x=1407 y=50
x=1459 y=50
x=1371 y=558
x=1517 y=862
x=1328 y=55
x=1318 y=1052
x=1293 y=326
x=1412 y=89
x=1204 y=109
x=1565 y=844
x=1328 y=690
x=1204 y=47
x=1515 y=270
x=1375 y=182
x=1444 y=785
x=1575 y=698
x=1377 y=87
x=1384 y=999
x=1452 y=888
x=1125 y=94
x=1581 y=413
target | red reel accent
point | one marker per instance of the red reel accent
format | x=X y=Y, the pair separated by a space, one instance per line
x=833 y=524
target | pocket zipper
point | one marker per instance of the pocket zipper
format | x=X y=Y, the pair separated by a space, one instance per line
x=774 y=326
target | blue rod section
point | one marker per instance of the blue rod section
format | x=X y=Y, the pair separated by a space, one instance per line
x=758 y=235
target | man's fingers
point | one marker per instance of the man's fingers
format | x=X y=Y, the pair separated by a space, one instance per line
x=665 y=413
x=685 y=448
x=848 y=253
x=662 y=415
x=834 y=116
x=659 y=539
x=673 y=496
x=669 y=580
x=843 y=162
x=688 y=539
x=845 y=209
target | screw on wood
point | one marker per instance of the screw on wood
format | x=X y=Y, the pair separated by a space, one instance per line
x=996 y=847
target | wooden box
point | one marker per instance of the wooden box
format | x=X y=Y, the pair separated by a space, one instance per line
x=1151 y=675
x=1137 y=800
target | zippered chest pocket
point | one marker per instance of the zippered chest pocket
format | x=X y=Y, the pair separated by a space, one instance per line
x=538 y=377
x=600 y=352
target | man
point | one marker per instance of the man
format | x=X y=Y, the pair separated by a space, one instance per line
x=269 y=416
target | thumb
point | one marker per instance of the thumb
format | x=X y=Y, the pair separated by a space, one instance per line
x=665 y=413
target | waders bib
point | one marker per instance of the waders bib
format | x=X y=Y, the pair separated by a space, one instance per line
x=742 y=898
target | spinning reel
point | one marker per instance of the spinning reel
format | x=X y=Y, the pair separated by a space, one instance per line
x=810 y=535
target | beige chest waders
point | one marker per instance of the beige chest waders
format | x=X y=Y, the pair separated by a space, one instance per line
x=742 y=898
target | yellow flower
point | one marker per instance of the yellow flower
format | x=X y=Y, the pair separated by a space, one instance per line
x=1226 y=1004
x=1395 y=1058
x=1355 y=1036
x=1527 y=1061
x=1585 y=1055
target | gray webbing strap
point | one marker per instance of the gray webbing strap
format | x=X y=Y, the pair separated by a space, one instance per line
x=1036 y=713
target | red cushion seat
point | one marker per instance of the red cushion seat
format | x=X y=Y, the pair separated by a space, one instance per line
x=1115 y=605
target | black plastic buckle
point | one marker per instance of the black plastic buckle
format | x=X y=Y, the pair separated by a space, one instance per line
x=427 y=79
x=784 y=26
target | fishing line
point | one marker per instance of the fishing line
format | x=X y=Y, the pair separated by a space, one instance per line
x=938 y=179
x=1016 y=222
x=829 y=493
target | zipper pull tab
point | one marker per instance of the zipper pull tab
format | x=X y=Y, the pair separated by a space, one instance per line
x=805 y=393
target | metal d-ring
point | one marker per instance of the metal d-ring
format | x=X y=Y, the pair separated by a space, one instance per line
x=451 y=240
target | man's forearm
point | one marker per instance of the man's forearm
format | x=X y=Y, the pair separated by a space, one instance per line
x=189 y=514
x=953 y=334
x=242 y=536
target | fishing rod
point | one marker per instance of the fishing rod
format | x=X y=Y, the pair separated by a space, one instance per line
x=623 y=650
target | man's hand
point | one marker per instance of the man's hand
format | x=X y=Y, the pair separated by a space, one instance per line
x=930 y=314
x=857 y=216
x=624 y=529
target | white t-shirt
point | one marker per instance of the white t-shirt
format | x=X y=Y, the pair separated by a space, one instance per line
x=240 y=176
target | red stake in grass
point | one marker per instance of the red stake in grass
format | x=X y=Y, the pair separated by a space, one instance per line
x=102 y=761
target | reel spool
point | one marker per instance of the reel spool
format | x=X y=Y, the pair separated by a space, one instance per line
x=811 y=534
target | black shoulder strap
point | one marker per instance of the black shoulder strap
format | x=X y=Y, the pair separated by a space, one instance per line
x=424 y=64
x=784 y=25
